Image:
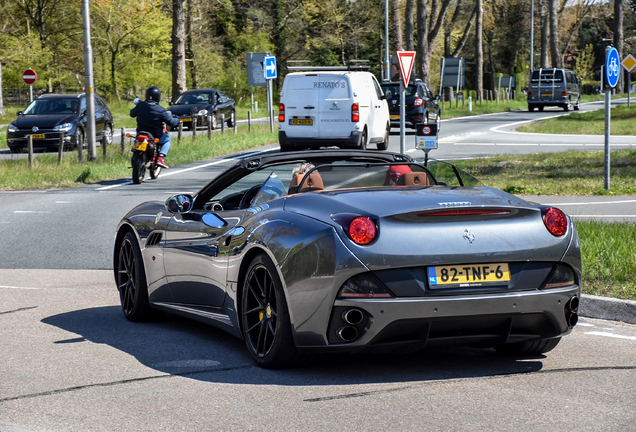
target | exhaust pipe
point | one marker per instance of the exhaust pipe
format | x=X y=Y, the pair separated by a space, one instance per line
x=573 y=304
x=572 y=319
x=353 y=316
x=347 y=333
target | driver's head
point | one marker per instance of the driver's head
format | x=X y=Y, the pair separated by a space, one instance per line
x=153 y=93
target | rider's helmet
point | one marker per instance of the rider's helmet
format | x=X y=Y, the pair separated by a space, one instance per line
x=153 y=93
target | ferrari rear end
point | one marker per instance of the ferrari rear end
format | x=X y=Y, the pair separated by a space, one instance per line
x=436 y=265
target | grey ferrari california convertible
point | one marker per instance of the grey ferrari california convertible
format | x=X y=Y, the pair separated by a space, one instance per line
x=348 y=251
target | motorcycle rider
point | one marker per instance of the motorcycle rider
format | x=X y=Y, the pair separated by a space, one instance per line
x=150 y=116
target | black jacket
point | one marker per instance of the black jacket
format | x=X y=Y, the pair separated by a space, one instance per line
x=150 y=116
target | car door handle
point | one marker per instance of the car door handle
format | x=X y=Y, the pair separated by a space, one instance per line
x=309 y=107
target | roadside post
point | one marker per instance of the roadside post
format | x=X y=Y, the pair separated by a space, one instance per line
x=30 y=148
x=612 y=62
x=123 y=140
x=29 y=77
x=629 y=63
x=406 y=59
x=426 y=138
x=60 y=149
x=269 y=69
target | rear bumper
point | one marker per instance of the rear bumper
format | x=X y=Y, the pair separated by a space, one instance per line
x=412 y=118
x=485 y=320
x=286 y=142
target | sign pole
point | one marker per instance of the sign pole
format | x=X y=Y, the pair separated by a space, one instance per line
x=31 y=93
x=607 y=138
x=402 y=115
x=612 y=62
x=406 y=59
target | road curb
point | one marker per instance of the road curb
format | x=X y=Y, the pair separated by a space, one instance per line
x=608 y=308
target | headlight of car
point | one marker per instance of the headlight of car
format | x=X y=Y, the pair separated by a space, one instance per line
x=63 y=127
x=203 y=112
x=12 y=128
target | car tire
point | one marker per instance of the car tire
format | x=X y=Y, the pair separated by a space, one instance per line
x=79 y=139
x=363 y=140
x=232 y=120
x=385 y=144
x=107 y=138
x=138 y=168
x=528 y=348
x=131 y=281
x=265 y=320
x=540 y=107
x=531 y=108
x=566 y=107
x=578 y=105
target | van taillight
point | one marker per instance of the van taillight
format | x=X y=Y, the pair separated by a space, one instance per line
x=564 y=94
x=418 y=102
x=281 y=113
x=529 y=94
x=355 y=112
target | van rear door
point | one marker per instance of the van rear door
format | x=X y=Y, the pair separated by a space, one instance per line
x=335 y=106
x=301 y=110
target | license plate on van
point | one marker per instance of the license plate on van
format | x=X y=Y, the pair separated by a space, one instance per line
x=546 y=94
x=301 y=122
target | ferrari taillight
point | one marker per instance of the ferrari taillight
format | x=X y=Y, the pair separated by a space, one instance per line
x=418 y=102
x=281 y=113
x=465 y=212
x=554 y=220
x=362 y=230
x=355 y=112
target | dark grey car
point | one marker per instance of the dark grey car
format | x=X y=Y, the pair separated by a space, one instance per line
x=348 y=251
x=200 y=104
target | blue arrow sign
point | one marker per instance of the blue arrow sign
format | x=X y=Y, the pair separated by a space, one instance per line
x=269 y=67
x=612 y=67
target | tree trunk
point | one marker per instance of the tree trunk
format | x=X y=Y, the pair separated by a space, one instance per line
x=190 y=48
x=421 y=55
x=555 y=50
x=178 y=48
x=462 y=42
x=113 y=73
x=618 y=36
x=545 y=34
x=396 y=19
x=2 y=112
x=408 y=26
x=448 y=28
x=479 y=47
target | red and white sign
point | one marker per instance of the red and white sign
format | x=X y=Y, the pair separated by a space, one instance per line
x=29 y=76
x=406 y=60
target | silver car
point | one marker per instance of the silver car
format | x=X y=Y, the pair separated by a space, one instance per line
x=349 y=251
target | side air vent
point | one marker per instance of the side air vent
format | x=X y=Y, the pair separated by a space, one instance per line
x=154 y=239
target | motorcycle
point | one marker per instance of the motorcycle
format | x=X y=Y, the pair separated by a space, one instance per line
x=145 y=154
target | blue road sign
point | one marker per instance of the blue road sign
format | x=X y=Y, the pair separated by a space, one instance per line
x=270 y=67
x=612 y=67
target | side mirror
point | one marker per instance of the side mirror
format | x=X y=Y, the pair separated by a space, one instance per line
x=383 y=97
x=180 y=203
x=437 y=97
x=170 y=103
x=19 y=113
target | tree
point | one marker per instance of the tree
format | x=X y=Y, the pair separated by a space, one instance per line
x=396 y=18
x=479 y=48
x=618 y=33
x=584 y=67
x=179 y=84
x=427 y=33
x=555 y=50
x=545 y=33
x=408 y=25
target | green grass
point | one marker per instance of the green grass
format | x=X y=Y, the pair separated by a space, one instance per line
x=566 y=173
x=623 y=122
x=46 y=173
x=609 y=258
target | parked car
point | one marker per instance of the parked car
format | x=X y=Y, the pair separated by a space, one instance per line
x=554 y=87
x=51 y=114
x=421 y=105
x=332 y=107
x=349 y=251
x=202 y=103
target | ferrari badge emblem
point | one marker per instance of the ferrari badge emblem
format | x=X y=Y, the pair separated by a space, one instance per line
x=158 y=217
x=469 y=236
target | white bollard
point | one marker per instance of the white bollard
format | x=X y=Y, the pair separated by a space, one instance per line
x=470 y=103
x=256 y=106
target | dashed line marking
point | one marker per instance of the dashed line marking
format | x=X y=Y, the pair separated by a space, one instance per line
x=612 y=335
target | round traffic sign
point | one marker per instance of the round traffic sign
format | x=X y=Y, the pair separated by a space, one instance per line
x=612 y=67
x=426 y=130
x=29 y=76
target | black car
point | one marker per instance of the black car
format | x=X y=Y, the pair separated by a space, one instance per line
x=421 y=105
x=51 y=114
x=202 y=103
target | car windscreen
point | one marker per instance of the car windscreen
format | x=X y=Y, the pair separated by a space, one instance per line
x=356 y=176
x=393 y=91
x=53 y=106
x=194 y=98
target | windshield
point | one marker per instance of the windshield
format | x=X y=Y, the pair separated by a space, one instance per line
x=194 y=98
x=552 y=75
x=393 y=91
x=53 y=106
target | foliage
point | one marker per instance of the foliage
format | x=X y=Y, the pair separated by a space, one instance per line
x=584 y=67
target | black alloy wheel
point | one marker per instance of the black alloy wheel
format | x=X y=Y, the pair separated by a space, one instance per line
x=131 y=281
x=363 y=140
x=265 y=319
x=232 y=120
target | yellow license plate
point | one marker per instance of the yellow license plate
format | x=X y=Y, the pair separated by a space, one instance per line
x=468 y=275
x=546 y=94
x=186 y=119
x=140 y=145
x=38 y=136
x=301 y=122
x=394 y=116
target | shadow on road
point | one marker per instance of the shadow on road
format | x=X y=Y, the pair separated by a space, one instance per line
x=178 y=346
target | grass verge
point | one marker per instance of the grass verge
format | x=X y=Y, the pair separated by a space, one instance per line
x=623 y=122
x=46 y=173
x=609 y=258
x=565 y=173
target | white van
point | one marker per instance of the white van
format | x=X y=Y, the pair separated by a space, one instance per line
x=331 y=107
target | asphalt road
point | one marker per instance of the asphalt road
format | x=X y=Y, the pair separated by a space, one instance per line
x=71 y=362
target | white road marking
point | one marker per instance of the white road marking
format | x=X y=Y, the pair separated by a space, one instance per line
x=170 y=173
x=188 y=363
x=612 y=335
x=595 y=202
x=16 y=287
x=63 y=202
x=585 y=324
x=604 y=216
x=30 y=211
